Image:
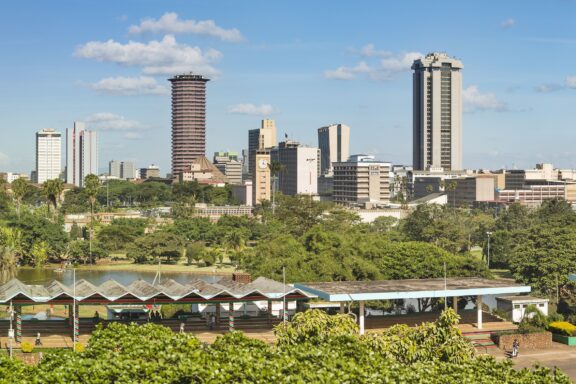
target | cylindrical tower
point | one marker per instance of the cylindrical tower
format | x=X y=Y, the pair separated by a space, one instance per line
x=188 y=120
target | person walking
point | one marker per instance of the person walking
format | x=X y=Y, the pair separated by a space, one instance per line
x=181 y=327
x=515 y=348
x=38 y=341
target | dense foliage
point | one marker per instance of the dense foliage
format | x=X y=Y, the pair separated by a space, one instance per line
x=431 y=353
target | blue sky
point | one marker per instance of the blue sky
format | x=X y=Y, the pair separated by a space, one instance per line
x=303 y=63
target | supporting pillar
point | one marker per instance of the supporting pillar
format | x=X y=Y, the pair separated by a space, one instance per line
x=284 y=310
x=361 y=318
x=269 y=312
x=231 y=317
x=218 y=315
x=479 y=309
x=18 y=313
x=76 y=334
x=342 y=307
x=455 y=303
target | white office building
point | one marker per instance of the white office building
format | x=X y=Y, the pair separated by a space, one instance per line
x=299 y=175
x=81 y=154
x=48 y=155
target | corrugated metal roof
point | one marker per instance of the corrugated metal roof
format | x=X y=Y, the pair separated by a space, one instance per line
x=112 y=290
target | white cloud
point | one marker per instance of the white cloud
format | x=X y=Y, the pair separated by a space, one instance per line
x=369 y=51
x=474 y=100
x=165 y=57
x=401 y=62
x=550 y=87
x=509 y=23
x=106 y=121
x=252 y=109
x=384 y=69
x=142 y=85
x=570 y=81
x=348 y=73
x=170 y=23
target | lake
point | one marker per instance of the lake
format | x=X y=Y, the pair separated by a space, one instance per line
x=43 y=276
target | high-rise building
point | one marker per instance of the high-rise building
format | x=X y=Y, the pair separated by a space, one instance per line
x=437 y=112
x=362 y=180
x=150 y=172
x=48 y=155
x=121 y=169
x=260 y=141
x=299 y=168
x=127 y=170
x=334 y=144
x=188 y=120
x=114 y=169
x=228 y=164
x=81 y=154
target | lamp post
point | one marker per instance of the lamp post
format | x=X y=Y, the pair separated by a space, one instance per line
x=488 y=256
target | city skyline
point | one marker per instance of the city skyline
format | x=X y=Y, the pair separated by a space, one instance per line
x=516 y=109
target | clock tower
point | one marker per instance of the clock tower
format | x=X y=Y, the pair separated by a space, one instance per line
x=261 y=177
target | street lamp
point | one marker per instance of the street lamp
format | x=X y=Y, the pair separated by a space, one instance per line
x=488 y=258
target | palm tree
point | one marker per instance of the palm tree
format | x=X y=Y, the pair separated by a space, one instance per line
x=52 y=189
x=91 y=186
x=8 y=263
x=275 y=169
x=19 y=189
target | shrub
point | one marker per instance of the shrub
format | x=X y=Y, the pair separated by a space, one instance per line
x=80 y=347
x=562 y=328
x=27 y=347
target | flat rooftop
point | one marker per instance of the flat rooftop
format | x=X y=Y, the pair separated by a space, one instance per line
x=410 y=289
x=522 y=298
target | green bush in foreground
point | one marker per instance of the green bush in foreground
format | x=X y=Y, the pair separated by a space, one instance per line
x=431 y=353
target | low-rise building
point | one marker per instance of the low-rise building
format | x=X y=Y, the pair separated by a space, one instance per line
x=228 y=164
x=215 y=212
x=362 y=180
x=516 y=305
x=202 y=171
x=242 y=193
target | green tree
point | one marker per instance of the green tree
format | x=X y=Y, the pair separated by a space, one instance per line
x=8 y=263
x=91 y=186
x=195 y=252
x=52 y=190
x=39 y=253
x=276 y=168
x=157 y=246
x=19 y=189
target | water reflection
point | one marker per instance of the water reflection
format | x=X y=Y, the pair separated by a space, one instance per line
x=43 y=276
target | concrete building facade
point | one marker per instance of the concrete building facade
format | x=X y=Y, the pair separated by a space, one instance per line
x=81 y=154
x=261 y=176
x=48 y=155
x=362 y=180
x=334 y=145
x=188 y=120
x=437 y=112
x=228 y=164
x=300 y=168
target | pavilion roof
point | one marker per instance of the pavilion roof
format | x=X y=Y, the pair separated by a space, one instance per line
x=410 y=289
x=143 y=291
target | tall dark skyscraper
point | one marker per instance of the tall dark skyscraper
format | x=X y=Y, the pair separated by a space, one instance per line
x=437 y=116
x=188 y=120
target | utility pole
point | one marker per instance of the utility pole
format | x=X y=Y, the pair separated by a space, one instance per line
x=488 y=258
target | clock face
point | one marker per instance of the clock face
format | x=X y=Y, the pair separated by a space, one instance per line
x=262 y=163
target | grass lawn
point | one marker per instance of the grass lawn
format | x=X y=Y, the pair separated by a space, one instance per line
x=502 y=273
